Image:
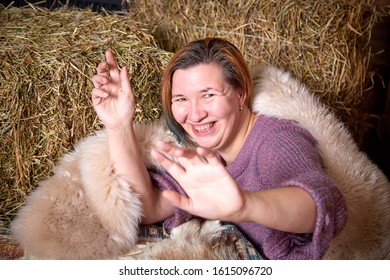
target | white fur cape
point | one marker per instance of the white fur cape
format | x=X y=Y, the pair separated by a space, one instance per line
x=84 y=211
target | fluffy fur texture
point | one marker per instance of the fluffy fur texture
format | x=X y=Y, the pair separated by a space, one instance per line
x=85 y=212
x=366 y=189
x=195 y=239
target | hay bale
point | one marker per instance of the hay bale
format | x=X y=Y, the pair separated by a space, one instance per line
x=47 y=60
x=48 y=57
x=324 y=43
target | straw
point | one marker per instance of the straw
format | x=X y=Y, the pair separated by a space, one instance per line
x=47 y=60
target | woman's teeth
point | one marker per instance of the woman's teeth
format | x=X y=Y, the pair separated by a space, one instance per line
x=204 y=127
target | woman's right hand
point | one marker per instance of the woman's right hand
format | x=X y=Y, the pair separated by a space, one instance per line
x=112 y=97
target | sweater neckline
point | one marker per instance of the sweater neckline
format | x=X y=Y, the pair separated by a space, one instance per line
x=239 y=164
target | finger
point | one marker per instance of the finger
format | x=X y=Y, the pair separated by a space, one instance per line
x=174 y=150
x=165 y=147
x=112 y=66
x=125 y=81
x=170 y=165
x=178 y=201
x=98 y=96
x=99 y=81
x=102 y=68
x=208 y=155
x=185 y=157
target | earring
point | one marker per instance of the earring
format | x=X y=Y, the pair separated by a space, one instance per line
x=240 y=108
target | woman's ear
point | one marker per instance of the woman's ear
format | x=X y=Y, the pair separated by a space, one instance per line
x=241 y=97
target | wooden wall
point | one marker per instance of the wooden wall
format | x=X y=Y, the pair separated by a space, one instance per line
x=377 y=141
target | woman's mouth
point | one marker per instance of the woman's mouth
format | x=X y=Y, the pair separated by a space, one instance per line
x=203 y=128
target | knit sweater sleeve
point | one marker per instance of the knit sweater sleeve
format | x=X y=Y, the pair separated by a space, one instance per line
x=290 y=158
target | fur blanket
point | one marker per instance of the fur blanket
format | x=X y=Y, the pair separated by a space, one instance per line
x=85 y=212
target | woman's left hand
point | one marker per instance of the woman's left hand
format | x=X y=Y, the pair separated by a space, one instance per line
x=211 y=190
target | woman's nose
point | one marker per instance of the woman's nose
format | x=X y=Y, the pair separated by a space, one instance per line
x=197 y=112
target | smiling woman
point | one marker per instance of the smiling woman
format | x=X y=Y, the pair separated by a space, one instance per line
x=232 y=75
x=263 y=174
x=209 y=109
x=314 y=40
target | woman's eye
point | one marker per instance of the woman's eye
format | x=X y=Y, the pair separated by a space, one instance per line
x=178 y=99
x=208 y=95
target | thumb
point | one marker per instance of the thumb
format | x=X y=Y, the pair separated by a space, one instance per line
x=177 y=200
x=125 y=81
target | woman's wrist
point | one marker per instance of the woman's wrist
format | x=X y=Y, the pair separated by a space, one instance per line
x=244 y=211
x=125 y=154
x=122 y=129
x=159 y=208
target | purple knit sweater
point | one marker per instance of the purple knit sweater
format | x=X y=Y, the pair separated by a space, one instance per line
x=277 y=154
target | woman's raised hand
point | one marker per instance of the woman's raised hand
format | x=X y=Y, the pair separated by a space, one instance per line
x=112 y=97
x=211 y=190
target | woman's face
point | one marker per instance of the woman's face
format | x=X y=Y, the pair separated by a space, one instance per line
x=206 y=106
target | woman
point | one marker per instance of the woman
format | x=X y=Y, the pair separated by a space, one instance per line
x=260 y=173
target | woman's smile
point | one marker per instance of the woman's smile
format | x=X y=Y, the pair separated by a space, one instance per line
x=203 y=129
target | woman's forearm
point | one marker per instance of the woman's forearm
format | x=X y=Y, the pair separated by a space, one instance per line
x=127 y=163
x=289 y=209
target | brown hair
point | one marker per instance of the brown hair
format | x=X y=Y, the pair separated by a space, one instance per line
x=209 y=50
